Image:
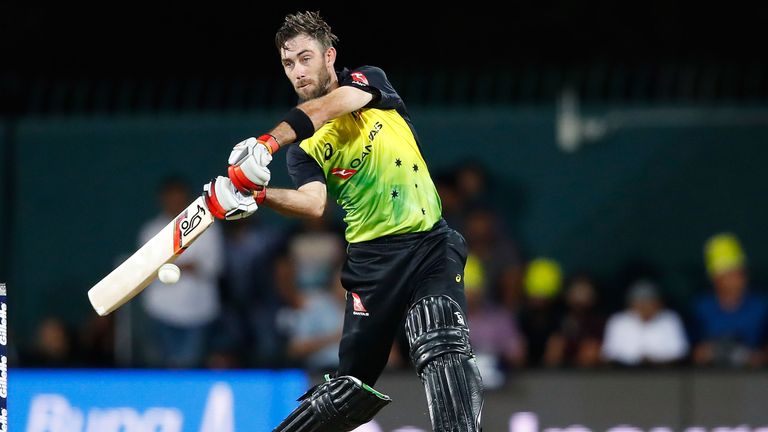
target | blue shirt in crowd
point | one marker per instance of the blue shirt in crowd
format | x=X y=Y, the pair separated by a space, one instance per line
x=745 y=324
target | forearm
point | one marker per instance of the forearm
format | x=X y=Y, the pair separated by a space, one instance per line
x=294 y=203
x=285 y=134
x=334 y=104
x=340 y=101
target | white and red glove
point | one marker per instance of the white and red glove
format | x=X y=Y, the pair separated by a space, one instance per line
x=226 y=202
x=248 y=163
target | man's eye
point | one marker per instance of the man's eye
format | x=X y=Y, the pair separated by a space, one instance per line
x=305 y=59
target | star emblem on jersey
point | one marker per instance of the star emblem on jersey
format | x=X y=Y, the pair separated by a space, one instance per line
x=415 y=168
x=395 y=193
x=357 y=306
x=343 y=173
x=398 y=162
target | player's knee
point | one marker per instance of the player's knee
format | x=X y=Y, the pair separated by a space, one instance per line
x=341 y=403
x=436 y=326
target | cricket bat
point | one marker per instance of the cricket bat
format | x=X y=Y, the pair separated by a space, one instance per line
x=140 y=269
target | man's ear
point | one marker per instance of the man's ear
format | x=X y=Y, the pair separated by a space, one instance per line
x=330 y=56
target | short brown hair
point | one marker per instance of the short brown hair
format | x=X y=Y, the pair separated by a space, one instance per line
x=307 y=23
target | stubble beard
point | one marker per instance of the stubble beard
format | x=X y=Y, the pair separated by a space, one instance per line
x=322 y=88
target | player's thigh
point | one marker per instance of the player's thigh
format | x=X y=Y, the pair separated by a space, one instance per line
x=367 y=338
x=376 y=302
x=445 y=274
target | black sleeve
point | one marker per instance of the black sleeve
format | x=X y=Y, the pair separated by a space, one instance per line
x=374 y=81
x=301 y=167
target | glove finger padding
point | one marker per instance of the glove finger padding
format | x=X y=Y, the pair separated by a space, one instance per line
x=250 y=148
x=248 y=165
x=240 y=151
x=240 y=180
x=211 y=200
x=259 y=174
x=226 y=202
x=249 y=176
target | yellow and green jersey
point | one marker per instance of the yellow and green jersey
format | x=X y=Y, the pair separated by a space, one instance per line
x=371 y=164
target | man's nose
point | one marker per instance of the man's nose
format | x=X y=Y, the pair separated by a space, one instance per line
x=299 y=72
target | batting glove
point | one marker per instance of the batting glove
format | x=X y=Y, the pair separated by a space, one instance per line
x=248 y=162
x=226 y=202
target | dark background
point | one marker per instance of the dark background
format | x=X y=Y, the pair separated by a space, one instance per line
x=117 y=41
x=222 y=39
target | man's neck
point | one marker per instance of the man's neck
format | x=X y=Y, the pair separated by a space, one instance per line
x=334 y=81
x=731 y=302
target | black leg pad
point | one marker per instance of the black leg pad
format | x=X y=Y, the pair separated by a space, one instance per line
x=440 y=351
x=337 y=405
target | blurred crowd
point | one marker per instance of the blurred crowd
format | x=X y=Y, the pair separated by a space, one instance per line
x=254 y=294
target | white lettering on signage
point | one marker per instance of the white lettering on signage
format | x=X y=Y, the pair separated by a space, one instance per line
x=219 y=413
x=529 y=422
x=55 y=413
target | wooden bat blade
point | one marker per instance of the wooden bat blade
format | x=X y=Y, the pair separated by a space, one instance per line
x=140 y=269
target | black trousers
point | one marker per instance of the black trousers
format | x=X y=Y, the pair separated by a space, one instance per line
x=383 y=278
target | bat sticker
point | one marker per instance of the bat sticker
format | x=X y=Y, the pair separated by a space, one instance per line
x=191 y=224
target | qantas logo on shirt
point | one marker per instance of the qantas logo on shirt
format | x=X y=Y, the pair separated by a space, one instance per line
x=357 y=306
x=359 y=78
x=343 y=173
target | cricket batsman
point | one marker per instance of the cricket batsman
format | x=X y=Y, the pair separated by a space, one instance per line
x=353 y=138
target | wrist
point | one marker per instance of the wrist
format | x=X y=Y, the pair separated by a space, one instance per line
x=270 y=142
x=260 y=195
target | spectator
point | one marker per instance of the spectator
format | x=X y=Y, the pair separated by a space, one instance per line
x=730 y=323
x=316 y=253
x=494 y=331
x=250 y=296
x=313 y=324
x=180 y=314
x=646 y=333
x=541 y=311
x=450 y=200
x=53 y=346
x=97 y=341
x=498 y=255
x=306 y=275
x=577 y=340
x=472 y=184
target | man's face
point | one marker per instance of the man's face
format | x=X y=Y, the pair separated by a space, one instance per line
x=174 y=199
x=731 y=285
x=308 y=66
x=480 y=227
x=646 y=308
x=581 y=295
